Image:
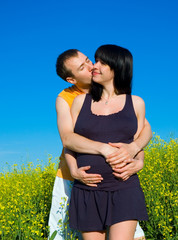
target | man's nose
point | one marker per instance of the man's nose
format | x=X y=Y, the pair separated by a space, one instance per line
x=90 y=66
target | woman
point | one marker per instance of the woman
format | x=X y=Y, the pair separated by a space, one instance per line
x=108 y=114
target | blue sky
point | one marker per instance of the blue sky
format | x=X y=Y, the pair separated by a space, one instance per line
x=34 y=33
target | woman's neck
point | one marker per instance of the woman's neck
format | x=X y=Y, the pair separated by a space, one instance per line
x=108 y=92
x=108 y=95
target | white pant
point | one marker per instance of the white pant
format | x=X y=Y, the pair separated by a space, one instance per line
x=59 y=206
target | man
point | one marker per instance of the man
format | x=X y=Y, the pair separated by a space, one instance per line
x=74 y=67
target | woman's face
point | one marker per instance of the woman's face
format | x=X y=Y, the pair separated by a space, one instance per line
x=102 y=73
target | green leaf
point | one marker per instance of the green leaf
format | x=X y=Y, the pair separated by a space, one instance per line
x=53 y=235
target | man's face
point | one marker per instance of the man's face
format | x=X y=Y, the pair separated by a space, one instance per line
x=81 y=68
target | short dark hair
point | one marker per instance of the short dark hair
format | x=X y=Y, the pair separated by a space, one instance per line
x=61 y=69
x=120 y=60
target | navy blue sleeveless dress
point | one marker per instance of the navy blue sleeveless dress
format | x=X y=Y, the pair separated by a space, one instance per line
x=113 y=200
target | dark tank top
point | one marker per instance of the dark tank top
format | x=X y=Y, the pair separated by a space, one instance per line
x=116 y=127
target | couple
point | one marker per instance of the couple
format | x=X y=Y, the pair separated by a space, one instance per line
x=106 y=191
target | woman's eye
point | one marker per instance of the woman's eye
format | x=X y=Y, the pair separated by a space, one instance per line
x=103 y=63
x=99 y=60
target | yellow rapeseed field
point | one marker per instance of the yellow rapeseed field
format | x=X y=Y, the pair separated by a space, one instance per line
x=25 y=196
x=159 y=180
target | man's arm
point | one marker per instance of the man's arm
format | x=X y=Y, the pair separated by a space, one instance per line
x=72 y=140
x=80 y=174
x=133 y=148
x=81 y=144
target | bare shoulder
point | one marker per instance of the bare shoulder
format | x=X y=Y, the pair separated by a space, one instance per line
x=61 y=104
x=76 y=106
x=138 y=101
x=80 y=98
x=78 y=101
x=59 y=99
x=139 y=105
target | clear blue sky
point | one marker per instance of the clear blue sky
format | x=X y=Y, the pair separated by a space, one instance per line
x=34 y=33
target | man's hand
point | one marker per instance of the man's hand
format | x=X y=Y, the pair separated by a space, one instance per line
x=130 y=149
x=119 y=156
x=114 y=154
x=132 y=166
x=88 y=179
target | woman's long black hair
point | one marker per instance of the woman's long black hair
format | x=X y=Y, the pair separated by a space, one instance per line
x=121 y=62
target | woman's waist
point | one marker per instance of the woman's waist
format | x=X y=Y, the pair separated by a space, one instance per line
x=97 y=163
x=111 y=183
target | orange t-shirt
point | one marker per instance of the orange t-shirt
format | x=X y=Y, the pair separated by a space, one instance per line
x=68 y=95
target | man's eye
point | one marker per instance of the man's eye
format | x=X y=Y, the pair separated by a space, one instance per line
x=88 y=60
x=81 y=68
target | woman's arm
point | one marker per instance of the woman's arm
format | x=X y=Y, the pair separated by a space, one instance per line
x=139 y=107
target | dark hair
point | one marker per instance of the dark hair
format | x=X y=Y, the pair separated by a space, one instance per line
x=61 y=69
x=121 y=62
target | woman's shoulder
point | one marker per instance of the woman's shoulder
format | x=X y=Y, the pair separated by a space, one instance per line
x=137 y=101
x=80 y=98
x=77 y=106
x=78 y=101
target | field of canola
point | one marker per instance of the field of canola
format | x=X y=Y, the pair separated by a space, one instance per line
x=25 y=196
